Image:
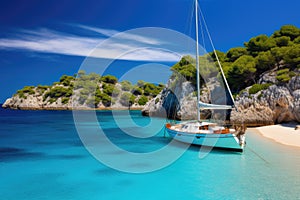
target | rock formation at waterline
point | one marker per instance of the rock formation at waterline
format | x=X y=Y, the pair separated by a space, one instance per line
x=264 y=76
x=175 y=102
x=87 y=91
x=276 y=104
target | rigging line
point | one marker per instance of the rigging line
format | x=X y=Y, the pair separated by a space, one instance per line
x=215 y=52
x=189 y=45
x=191 y=19
x=202 y=31
x=188 y=24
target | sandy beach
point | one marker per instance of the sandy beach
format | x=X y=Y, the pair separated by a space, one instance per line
x=283 y=133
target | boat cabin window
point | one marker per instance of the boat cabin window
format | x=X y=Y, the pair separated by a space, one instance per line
x=203 y=127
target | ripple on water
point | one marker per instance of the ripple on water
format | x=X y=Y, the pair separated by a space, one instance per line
x=10 y=154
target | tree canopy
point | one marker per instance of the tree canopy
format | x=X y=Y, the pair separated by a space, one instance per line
x=244 y=65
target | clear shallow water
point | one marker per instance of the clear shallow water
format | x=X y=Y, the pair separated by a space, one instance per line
x=42 y=157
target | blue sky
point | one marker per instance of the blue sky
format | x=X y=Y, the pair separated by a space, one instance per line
x=42 y=40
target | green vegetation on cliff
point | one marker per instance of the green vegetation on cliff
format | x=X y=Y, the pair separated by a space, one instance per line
x=92 y=90
x=243 y=66
x=278 y=54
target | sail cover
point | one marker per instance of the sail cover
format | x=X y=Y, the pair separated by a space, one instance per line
x=207 y=106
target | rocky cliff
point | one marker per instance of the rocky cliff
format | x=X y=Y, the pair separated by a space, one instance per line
x=175 y=101
x=87 y=91
x=268 y=102
x=264 y=76
x=276 y=104
x=35 y=102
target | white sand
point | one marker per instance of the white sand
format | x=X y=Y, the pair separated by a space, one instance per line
x=284 y=134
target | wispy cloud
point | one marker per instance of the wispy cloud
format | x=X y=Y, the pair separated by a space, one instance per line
x=110 y=44
x=47 y=41
x=122 y=35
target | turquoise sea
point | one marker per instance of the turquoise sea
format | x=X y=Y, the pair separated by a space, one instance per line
x=42 y=157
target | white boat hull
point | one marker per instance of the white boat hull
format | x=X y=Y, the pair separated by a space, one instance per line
x=225 y=141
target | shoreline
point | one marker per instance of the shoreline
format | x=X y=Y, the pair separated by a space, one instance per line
x=282 y=133
x=71 y=109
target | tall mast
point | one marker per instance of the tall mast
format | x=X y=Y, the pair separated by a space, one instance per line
x=197 y=62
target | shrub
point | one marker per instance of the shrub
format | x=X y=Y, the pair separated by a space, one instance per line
x=94 y=77
x=87 y=81
x=234 y=53
x=258 y=87
x=289 y=30
x=42 y=88
x=260 y=43
x=141 y=83
x=297 y=40
x=127 y=99
x=132 y=99
x=283 y=41
x=58 y=91
x=27 y=89
x=106 y=100
x=80 y=73
x=142 y=100
x=150 y=89
x=116 y=92
x=82 y=99
x=186 y=67
x=109 y=79
x=98 y=92
x=108 y=89
x=21 y=94
x=126 y=85
x=161 y=86
x=52 y=100
x=283 y=75
x=97 y=101
x=291 y=56
x=66 y=80
x=65 y=100
x=90 y=102
x=265 y=61
x=84 y=92
x=156 y=100
x=241 y=73
x=137 y=91
x=283 y=78
x=292 y=74
x=91 y=86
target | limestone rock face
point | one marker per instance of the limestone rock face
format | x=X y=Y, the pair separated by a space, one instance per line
x=176 y=101
x=268 y=78
x=38 y=101
x=30 y=102
x=276 y=104
x=34 y=102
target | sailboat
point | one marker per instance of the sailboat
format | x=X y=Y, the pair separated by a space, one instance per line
x=208 y=133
